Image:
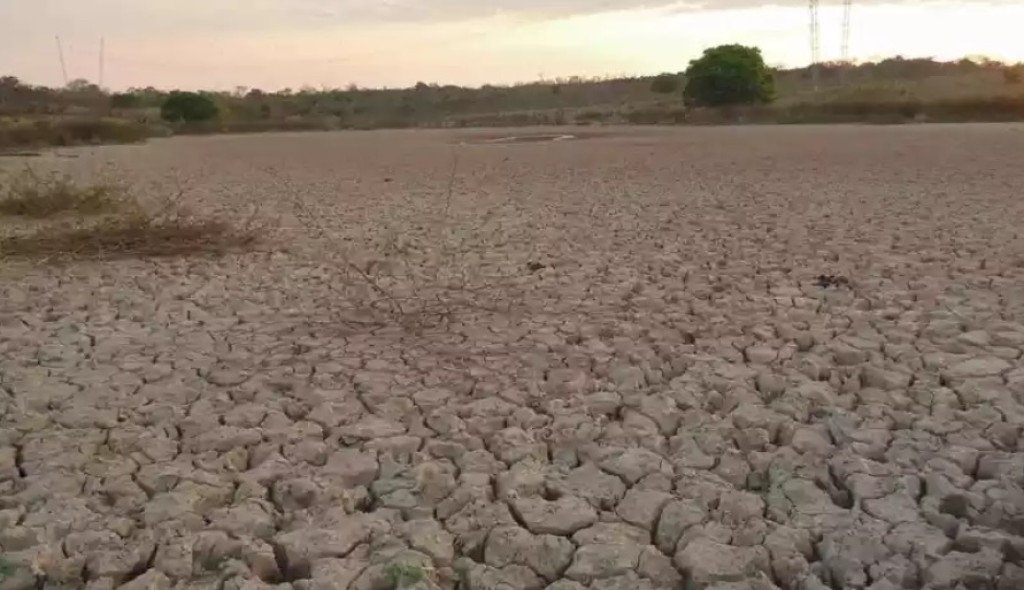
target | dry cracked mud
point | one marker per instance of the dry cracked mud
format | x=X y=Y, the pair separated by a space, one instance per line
x=638 y=381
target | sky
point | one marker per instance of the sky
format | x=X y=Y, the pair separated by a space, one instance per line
x=274 y=44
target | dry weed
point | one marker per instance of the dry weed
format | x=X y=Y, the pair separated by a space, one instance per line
x=413 y=283
x=129 y=237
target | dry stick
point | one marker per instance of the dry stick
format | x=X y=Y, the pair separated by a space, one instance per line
x=441 y=307
x=445 y=248
x=396 y=306
x=451 y=182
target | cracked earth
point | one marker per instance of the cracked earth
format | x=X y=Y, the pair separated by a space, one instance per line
x=653 y=378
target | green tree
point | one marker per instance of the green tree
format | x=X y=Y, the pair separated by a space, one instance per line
x=188 y=107
x=665 y=84
x=729 y=75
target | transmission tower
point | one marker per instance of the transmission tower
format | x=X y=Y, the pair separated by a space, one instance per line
x=63 y=65
x=815 y=43
x=847 y=7
x=102 y=61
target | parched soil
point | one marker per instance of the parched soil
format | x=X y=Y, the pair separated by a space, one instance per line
x=734 y=358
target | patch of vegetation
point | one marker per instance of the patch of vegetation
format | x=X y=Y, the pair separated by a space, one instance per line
x=7 y=568
x=102 y=224
x=64 y=132
x=79 y=113
x=29 y=194
x=188 y=107
x=666 y=84
x=403 y=575
x=729 y=75
x=134 y=237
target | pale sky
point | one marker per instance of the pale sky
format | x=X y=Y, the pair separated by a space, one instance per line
x=272 y=44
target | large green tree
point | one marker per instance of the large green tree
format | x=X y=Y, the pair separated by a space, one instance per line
x=729 y=75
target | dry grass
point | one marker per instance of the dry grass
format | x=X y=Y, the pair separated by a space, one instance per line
x=129 y=238
x=29 y=194
x=92 y=130
x=98 y=221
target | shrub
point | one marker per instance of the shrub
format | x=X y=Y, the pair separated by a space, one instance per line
x=188 y=107
x=729 y=75
x=665 y=84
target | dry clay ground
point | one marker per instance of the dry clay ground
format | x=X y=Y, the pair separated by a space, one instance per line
x=606 y=363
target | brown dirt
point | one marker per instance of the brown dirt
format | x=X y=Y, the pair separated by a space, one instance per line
x=742 y=358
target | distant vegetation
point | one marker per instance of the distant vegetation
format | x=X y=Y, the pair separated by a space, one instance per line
x=188 y=107
x=891 y=90
x=666 y=83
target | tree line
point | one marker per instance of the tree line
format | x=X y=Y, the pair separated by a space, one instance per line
x=722 y=76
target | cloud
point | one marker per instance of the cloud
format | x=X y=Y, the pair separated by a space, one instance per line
x=340 y=11
x=167 y=17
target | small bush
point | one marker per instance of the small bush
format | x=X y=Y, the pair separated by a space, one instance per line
x=30 y=195
x=729 y=75
x=188 y=107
